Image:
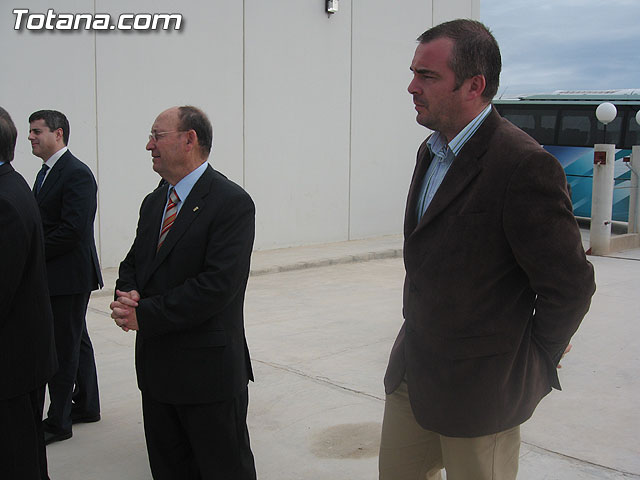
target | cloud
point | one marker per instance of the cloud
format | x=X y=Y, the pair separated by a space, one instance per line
x=565 y=44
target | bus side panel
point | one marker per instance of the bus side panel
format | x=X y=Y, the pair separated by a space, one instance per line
x=578 y=166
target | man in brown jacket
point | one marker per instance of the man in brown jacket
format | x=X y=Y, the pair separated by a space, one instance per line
x=497 y=281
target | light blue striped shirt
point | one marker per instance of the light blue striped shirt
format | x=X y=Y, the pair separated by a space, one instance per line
x=443 y=155
x=183 y=187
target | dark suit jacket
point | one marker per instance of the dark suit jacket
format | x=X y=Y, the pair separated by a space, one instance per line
x=27 y=350
x=191 y=347
x=68 y=203
x=496 y=284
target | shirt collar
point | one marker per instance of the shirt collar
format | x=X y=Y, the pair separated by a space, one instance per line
x=184 y=186
x=55 y=157
x=437 y=143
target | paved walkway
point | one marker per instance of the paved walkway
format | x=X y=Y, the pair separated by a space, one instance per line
x=320 y=323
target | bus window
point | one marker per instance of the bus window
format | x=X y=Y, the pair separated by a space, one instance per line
x=633 y=132
x=545 y=127
x=614 y=132
x=523 y=120
x=580 y=128
x=575 y=128
x=540 y=124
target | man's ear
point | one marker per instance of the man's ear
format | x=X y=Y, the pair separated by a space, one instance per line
x=476 y=86
x=192 y=139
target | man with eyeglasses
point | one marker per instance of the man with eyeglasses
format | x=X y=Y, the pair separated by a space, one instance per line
x=66 y=193
x=182 y=287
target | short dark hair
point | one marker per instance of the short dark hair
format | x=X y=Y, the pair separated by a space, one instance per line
x=192 y=118
x=475 y=52
x=8 y=135
x=54 y=120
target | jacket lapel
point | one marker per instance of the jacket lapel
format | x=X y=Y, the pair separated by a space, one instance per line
x=422 y=164
x=462 y=171
x=466 y=166
x=53 y=177
x=189 y=211
x=149 y=232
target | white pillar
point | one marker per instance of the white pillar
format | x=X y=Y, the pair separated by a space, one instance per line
x=634 y=196
x=602 y=199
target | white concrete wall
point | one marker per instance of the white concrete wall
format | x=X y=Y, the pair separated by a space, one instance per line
x=385 y=135
x=297 y=91
x=310 y=112
x=443 y=10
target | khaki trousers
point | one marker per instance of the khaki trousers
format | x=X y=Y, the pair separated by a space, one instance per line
x=409 y=452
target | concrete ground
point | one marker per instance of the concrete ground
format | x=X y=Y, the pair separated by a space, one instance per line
x=320 y=323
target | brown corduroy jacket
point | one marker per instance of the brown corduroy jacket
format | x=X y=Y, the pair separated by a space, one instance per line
x=497 y=282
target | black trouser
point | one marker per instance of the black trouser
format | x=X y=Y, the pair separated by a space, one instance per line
x=85 y=393
x=76 y=363
x=22 y=452
x=199 y=442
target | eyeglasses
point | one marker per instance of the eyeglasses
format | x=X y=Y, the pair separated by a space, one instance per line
x=155 y=135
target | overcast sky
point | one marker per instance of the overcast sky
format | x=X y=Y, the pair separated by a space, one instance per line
x=552 y=45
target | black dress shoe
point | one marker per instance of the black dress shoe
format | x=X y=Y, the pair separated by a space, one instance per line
x=50 y=437
x=81 y=417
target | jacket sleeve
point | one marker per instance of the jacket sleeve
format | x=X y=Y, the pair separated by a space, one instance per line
x=77 y=212
x=127 y=270
x=546 y=242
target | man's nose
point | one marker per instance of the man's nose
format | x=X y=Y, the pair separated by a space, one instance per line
x=412 y=88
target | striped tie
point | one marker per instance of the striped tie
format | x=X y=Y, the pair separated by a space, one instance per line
x=169 y=216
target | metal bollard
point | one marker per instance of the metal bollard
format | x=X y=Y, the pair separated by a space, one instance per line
x=602 y=199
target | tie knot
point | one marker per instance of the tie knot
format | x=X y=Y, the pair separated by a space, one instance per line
x=173 y=196
x=45 y=167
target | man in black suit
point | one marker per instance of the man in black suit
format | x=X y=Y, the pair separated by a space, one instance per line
x=66 y=192
x=182 y=287
x=27 y=348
